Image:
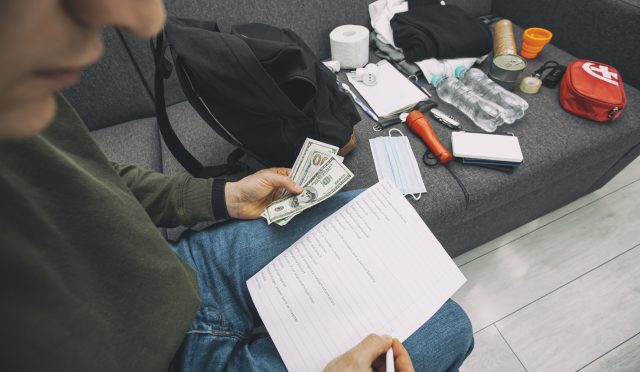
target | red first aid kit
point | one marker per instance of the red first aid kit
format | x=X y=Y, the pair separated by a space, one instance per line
x=592 y=90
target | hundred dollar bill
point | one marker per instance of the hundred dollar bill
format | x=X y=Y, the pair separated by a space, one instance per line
x=317 y=159
x=311 y=152
x=313 y=163
x=309 y=147
x=327 y=181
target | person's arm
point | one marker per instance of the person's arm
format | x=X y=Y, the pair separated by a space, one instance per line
x=186 y=200
x=170 y=201
x=369 y=355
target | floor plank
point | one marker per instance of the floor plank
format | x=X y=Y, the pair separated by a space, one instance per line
x=530 y=267
x=491 y=353
x=588 y=317
x=624 y=358
x=627 y=176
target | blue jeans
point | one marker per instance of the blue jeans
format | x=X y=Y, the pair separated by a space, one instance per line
x=222 y=335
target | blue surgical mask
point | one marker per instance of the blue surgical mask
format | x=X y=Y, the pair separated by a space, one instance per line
x=394 y=160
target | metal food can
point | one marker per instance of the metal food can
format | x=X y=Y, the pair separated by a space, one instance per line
x=505 y=70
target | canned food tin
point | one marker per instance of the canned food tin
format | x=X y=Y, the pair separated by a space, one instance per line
x=508 y=85
x=507 y=68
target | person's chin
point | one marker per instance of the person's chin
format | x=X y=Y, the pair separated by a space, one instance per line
x=28 y=120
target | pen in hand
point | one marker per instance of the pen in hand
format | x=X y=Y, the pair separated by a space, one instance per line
x=359 y=102
x=390 y=364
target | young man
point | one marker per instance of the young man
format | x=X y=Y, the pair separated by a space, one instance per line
x=87 y=281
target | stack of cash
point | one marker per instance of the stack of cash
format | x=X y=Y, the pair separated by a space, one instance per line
x=320 y=172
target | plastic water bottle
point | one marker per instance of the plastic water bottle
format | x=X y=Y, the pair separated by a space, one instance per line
x=486 y=114
x=514 y=106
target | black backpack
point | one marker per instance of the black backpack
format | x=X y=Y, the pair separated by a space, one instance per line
x=259 y=87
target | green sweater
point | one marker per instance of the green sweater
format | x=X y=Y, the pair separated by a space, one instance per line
x=88 y=283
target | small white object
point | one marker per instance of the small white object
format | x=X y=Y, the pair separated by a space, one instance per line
x=494 y=147
x=334 y=66
x=368 y=74
x=350 y=46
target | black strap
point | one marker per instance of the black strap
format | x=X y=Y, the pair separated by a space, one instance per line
x=162 y=70
x=233 y=167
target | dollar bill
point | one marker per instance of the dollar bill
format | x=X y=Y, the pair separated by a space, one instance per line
x=327 y=181
x=311 y=153
x=317 y=159
x=309 y=148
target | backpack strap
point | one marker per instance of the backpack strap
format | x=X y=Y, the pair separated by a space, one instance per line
x=163 y=69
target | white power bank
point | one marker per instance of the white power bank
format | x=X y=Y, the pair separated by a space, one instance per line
x=494 y=147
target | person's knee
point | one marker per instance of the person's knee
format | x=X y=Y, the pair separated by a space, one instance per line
x=462 y=337
x=444 y=342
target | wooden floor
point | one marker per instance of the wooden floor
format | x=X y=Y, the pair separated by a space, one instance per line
x=561 y=293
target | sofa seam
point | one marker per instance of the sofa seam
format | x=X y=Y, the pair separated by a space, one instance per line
x=135 y=64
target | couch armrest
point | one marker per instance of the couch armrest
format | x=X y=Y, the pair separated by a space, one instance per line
x=602 y=30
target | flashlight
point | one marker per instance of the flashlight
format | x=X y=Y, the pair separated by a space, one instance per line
x=420 y=125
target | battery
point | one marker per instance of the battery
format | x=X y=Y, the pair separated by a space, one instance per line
x=505 y=70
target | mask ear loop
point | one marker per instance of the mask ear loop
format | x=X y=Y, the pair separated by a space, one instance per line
x=416 y=198
x=397 y=130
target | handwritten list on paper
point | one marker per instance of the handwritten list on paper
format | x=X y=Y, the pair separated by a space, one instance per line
x=371 y=267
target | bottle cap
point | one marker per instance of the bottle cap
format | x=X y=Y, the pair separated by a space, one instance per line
x=435 y=79
x=459 y=70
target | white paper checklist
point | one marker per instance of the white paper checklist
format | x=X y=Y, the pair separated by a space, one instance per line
x=371 y=267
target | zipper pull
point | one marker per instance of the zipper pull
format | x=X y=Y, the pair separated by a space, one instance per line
x=613 y=112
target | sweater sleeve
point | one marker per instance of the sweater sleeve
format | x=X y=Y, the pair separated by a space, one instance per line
x=170 y=201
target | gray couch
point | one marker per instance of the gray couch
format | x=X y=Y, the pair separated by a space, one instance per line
x=565 y=156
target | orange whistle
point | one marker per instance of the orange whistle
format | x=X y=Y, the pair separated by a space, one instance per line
x=421 y=126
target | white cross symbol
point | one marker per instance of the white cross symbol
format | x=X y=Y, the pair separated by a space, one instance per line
x=604 y=73
x=604 y=70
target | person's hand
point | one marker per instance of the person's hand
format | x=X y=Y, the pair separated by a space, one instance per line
x=247 y=198
x=369 y=355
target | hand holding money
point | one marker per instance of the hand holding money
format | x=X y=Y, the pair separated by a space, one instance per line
x=247 y=198
x=320 y=172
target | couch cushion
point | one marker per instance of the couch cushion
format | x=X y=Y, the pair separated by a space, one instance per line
x=565 y=157
x=135 y=142
x=469 y=233
x=112 y=91
x=554 y=142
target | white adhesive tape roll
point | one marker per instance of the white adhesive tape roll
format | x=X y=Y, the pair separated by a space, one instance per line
x=530 y=85
x=350 y=46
